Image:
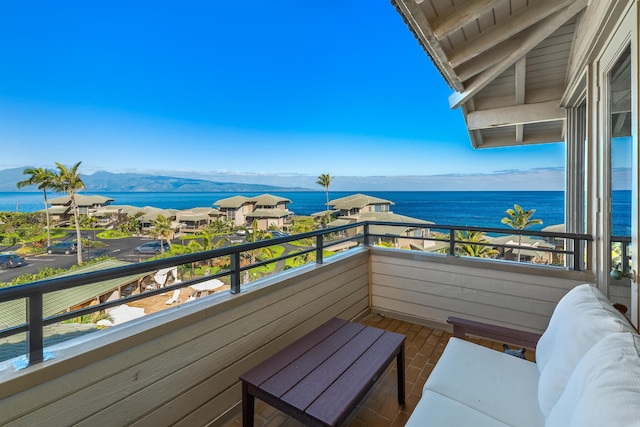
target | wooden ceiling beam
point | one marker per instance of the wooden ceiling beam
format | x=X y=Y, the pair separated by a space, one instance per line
x=549 y=111
x=481 y=63
x=528 y=40
x=520 y=89
x=461 y=16
x=521 y=80
x=516 y=24
x=541 y=137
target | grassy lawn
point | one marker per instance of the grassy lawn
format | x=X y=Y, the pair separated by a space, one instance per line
x=112 y=234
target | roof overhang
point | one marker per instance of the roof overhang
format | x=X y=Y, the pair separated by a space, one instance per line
x=507 y=62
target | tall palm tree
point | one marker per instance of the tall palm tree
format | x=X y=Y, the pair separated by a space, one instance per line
x=324 y=179
x=520 y=219
x=162 y=230
x=68 y=180
x=44 y=179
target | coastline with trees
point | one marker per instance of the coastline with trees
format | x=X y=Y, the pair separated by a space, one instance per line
x=68 y=180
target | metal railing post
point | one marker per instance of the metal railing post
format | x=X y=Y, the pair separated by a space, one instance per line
x=234 y=278
x=319 y=249
x=452 y=242
x=35 y=334
x=577 y=254
x=624 y=255
x=366 y=240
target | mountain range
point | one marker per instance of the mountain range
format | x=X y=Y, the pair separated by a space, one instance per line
x=539 y=179
x=106 y=181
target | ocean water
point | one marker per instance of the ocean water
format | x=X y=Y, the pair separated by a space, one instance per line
x=472 y=208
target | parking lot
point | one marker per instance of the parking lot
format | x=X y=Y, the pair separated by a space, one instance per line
x=121 y=249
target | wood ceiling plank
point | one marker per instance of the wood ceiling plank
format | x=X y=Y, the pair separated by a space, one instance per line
x=461 y=16
x=527 y=42
x=518 y=23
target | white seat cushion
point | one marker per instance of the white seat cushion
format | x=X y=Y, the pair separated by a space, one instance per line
x=500 y=386
x=582 y=318
x=435 y=410
x=604 y=388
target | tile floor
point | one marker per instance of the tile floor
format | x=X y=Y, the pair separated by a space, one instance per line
x=380 y=408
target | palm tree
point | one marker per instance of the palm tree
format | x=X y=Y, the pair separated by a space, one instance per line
x=520 y=219
x=68 y=180
x=325 y=181
x=207 y=242
x=44 y=179
x=162 y=230
x=469 y=249
x=131 y=225
x=219 y=226
x=251 y=256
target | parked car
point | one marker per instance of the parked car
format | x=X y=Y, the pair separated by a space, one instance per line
x=274 y=234
x=11 y=261
x=63 y=248
x=151 y=248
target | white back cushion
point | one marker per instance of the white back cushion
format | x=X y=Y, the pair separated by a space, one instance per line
x=604 y=388
x=582 y=318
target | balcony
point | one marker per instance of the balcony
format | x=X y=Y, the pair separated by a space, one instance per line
x=181 y=366
x=423 y=347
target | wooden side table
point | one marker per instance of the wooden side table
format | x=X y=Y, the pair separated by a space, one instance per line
x=320 y=378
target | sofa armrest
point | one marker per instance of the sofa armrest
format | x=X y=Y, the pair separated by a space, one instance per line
x=464 y=327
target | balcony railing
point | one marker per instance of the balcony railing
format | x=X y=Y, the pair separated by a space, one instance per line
x=621 y=253
x=354 y=234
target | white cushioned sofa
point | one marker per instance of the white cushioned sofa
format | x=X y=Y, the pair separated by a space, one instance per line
x=587 y=373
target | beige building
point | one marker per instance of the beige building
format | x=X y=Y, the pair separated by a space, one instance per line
x=268 y=210
x=361 y=207
x=61 y=209
x=236 y=208
x=527 y=247
x=151 y=214
x=356 y=204
x=195 y=219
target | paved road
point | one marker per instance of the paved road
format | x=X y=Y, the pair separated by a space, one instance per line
x=117 y=248
x=121 y=249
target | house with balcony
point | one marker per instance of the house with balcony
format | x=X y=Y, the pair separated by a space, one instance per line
x=522 y=73
x=61 y=209
x=266 y=209
x=357 y=204
x=270 y=211
x=525 y=247
x=152 y=213
x=236 y=208
x=112 y=215
x=362 y=207
x=196 y=219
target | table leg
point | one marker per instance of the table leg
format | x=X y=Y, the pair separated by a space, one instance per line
x=400 y=369
x=247 y=406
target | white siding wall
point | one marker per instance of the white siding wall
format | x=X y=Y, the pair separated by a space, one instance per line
x=427 y=288
x=181 y=367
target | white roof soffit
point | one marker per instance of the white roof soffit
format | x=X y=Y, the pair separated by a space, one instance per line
x=506 y=60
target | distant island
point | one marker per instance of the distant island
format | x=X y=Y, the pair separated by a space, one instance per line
x=103 y=181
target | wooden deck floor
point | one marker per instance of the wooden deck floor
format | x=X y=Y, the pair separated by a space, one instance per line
x=380 y=408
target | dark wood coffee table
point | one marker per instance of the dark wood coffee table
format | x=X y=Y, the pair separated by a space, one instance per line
x=320 y=378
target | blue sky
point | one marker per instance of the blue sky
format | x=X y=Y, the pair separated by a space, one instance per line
x=266 y=89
